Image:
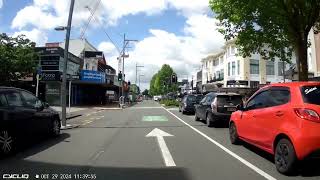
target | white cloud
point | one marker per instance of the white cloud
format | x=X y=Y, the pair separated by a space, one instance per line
x=182 y=53
x=46 y=14
x=1 y=4
x=108 y=48
x=35 y=35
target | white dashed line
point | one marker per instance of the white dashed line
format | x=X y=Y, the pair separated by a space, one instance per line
x=245 y=162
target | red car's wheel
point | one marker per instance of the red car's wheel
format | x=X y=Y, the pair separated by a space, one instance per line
x=234 y=137
x=285 y=157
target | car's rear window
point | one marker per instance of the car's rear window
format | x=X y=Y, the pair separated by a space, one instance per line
x=227 y=99
x=199 y=98
x=311 y=94
x=192 y=98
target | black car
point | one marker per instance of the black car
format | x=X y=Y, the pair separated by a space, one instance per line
x=215 y=107
x=187 y=104
x=23 y=115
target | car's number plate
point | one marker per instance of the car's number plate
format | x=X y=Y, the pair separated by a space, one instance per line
x=231 y=109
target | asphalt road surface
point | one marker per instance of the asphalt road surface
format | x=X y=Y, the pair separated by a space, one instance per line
x=145 y=142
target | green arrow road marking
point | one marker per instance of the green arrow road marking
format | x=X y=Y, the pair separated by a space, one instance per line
x=154 y=118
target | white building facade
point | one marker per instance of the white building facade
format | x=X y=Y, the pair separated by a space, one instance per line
x=230 y=70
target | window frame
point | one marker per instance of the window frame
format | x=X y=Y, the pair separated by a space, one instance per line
x=256 y=65
x=268 y=65
x=19 y=95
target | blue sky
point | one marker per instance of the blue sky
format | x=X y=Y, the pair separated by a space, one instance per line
x=176 y=32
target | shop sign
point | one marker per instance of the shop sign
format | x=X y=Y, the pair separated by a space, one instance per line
x=93 y=76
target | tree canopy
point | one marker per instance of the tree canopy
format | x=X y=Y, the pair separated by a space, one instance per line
x=17 y=57
x=273 y=28
x=161 y=81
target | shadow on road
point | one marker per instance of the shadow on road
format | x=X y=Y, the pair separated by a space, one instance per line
x=28 y=148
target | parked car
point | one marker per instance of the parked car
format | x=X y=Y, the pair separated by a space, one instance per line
x=187 y=104
x=23 y=115
x=282 y=119
x=217 y=107
x=157 y=98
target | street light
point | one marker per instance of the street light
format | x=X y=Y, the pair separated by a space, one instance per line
x=64 y=72
x=139 y=80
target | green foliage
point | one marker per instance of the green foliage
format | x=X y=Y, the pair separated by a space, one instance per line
x=134 y=89
x=168 y=102
x=160 y=83
x=273 y=28
x=17 y=57
x=145 y=92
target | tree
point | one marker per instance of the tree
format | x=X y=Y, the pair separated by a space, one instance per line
x=273 y=28
x=18 y=58
x=161 y=81
x=145 y=92
x=153 y=91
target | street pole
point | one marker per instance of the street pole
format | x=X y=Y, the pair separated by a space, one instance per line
x=70 y=83
x=123 y=53
x=137 y=71
x=37 y=86
x=65 y=63
x=283 y=71
x=139 y=81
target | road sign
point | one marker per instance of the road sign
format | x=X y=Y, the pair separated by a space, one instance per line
x=159 y=134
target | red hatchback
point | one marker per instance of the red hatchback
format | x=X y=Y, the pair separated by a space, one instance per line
x=282 y=119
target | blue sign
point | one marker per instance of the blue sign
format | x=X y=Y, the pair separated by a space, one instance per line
x=93 y=76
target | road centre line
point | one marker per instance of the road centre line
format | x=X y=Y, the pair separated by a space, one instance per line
x=245 y=162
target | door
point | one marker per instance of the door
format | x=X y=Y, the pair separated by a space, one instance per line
x=33 y=106
x=249 y=116
x=207 y=105
x=199 y=108
x=269 y=119
x=17 y=118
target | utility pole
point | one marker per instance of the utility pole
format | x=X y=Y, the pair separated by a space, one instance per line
x=139 y=81
x=137 y=71
x=123 y=55
x=65 y=63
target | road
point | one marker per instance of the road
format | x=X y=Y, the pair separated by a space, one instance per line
x=145 y=142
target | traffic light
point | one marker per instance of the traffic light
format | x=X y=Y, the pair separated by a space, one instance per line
x=129 y=83
x=174 y=78
x=120 y=76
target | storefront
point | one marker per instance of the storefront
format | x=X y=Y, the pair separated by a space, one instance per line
x=51 y=61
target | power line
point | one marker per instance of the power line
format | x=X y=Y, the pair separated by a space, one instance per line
x=115 y=45
x=89 y=19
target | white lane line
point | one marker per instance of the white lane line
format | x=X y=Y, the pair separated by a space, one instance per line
x=157 y=107
x=245 y=162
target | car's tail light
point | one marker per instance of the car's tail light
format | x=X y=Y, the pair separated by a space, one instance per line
x=307 y=114
x=214 y=105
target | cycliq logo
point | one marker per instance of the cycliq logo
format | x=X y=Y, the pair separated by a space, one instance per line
x=15 y=176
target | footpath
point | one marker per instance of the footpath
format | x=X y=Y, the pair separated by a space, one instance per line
x=77 y=111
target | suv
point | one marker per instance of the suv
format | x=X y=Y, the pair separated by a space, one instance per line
x=187 y=104
x=23 y=115
x=215 y=107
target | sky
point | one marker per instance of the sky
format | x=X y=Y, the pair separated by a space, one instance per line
x=175 y=32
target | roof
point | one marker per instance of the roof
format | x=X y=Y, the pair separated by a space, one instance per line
x=294 y=84
x=12 y=88
x=225 y=93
